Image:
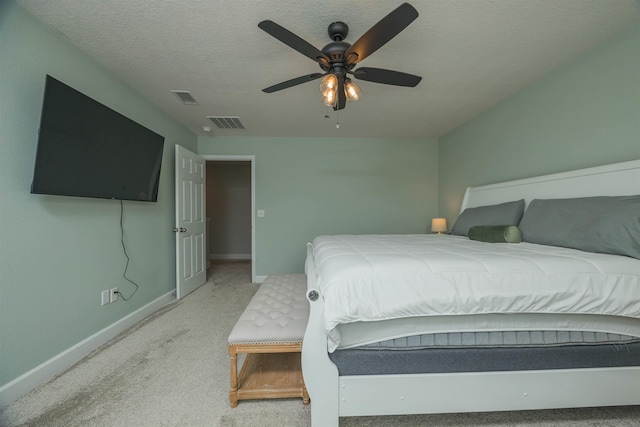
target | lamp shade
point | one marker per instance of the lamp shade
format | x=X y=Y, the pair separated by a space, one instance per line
x=352 y=90
x=439 y=225
x=329 y=89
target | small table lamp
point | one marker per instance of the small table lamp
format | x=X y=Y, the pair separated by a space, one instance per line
x=439 y=225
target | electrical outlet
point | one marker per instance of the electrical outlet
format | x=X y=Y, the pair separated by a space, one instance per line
x=105 y=297
x=113 y=295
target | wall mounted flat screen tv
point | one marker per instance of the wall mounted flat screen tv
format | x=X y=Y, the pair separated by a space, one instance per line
x=86 y=149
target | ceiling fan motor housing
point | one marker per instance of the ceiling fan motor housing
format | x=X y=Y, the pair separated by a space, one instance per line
x=335 y=50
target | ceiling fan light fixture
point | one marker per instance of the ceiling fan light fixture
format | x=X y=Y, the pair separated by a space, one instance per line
x=328 y=84
x=330 y=98
x=338 y=58
x=352 y=90
x=329 y=89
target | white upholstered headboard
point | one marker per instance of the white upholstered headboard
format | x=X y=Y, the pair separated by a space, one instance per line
x=618 y=179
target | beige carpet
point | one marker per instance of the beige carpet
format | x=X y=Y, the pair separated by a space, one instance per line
x=173 y=370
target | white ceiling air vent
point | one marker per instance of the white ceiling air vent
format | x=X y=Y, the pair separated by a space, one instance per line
x=226 y=122
x=185 y=97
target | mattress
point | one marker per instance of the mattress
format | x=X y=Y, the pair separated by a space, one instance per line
x=510 y=339
x=485 y=359
x=490 y=352
x=358 y=334
x=378 y=278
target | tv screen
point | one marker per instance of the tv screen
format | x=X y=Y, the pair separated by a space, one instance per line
x=86 y=149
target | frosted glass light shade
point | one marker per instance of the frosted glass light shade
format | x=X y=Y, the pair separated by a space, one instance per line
x=329 y=89
x=329 y=83
x=352 y=90
x=330 y=98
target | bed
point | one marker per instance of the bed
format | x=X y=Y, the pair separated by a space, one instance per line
x=444 y=323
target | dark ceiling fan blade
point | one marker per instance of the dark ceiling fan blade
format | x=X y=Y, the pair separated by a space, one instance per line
x=389 y=27
x=387 y=77
x=293 y=41
x=293 y=82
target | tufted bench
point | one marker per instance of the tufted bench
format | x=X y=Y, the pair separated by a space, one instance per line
x=270 y=332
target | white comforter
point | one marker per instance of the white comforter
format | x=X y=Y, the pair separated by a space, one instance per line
x=379 y=277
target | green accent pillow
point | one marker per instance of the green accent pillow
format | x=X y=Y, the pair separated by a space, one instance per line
x=495 y=233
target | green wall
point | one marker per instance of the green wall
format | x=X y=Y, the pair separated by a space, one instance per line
x=314 y=186
x=585 y=114
x=58 y=253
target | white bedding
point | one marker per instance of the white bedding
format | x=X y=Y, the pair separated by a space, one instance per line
x=380 y=277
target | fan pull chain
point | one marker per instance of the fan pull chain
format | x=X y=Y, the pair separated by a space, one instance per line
x=337 y=119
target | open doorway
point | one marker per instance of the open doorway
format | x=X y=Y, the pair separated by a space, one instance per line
x=230 y=200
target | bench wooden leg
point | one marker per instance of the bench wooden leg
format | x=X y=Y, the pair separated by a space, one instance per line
x=305 y=395
x=233 y=379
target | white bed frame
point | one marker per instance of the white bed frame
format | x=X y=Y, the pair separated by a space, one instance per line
x=333 y=396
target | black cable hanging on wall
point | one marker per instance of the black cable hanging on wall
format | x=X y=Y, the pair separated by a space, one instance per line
x=124 y=249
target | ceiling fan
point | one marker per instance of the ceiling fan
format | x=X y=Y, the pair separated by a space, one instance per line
x=338 y=58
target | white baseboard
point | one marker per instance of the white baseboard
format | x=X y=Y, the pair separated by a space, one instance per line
x=230 y=256
x=260 y=279
x=59 y=363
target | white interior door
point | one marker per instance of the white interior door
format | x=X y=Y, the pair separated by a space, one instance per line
x=191 y=265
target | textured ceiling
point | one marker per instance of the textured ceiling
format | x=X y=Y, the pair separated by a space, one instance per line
x=471 y=54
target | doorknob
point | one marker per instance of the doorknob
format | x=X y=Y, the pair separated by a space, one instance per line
x=181 y=229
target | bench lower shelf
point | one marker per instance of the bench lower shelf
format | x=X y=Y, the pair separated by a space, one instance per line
x=268 y=376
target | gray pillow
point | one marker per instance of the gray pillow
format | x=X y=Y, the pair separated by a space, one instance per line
x=603 y=224
x=508 y=213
